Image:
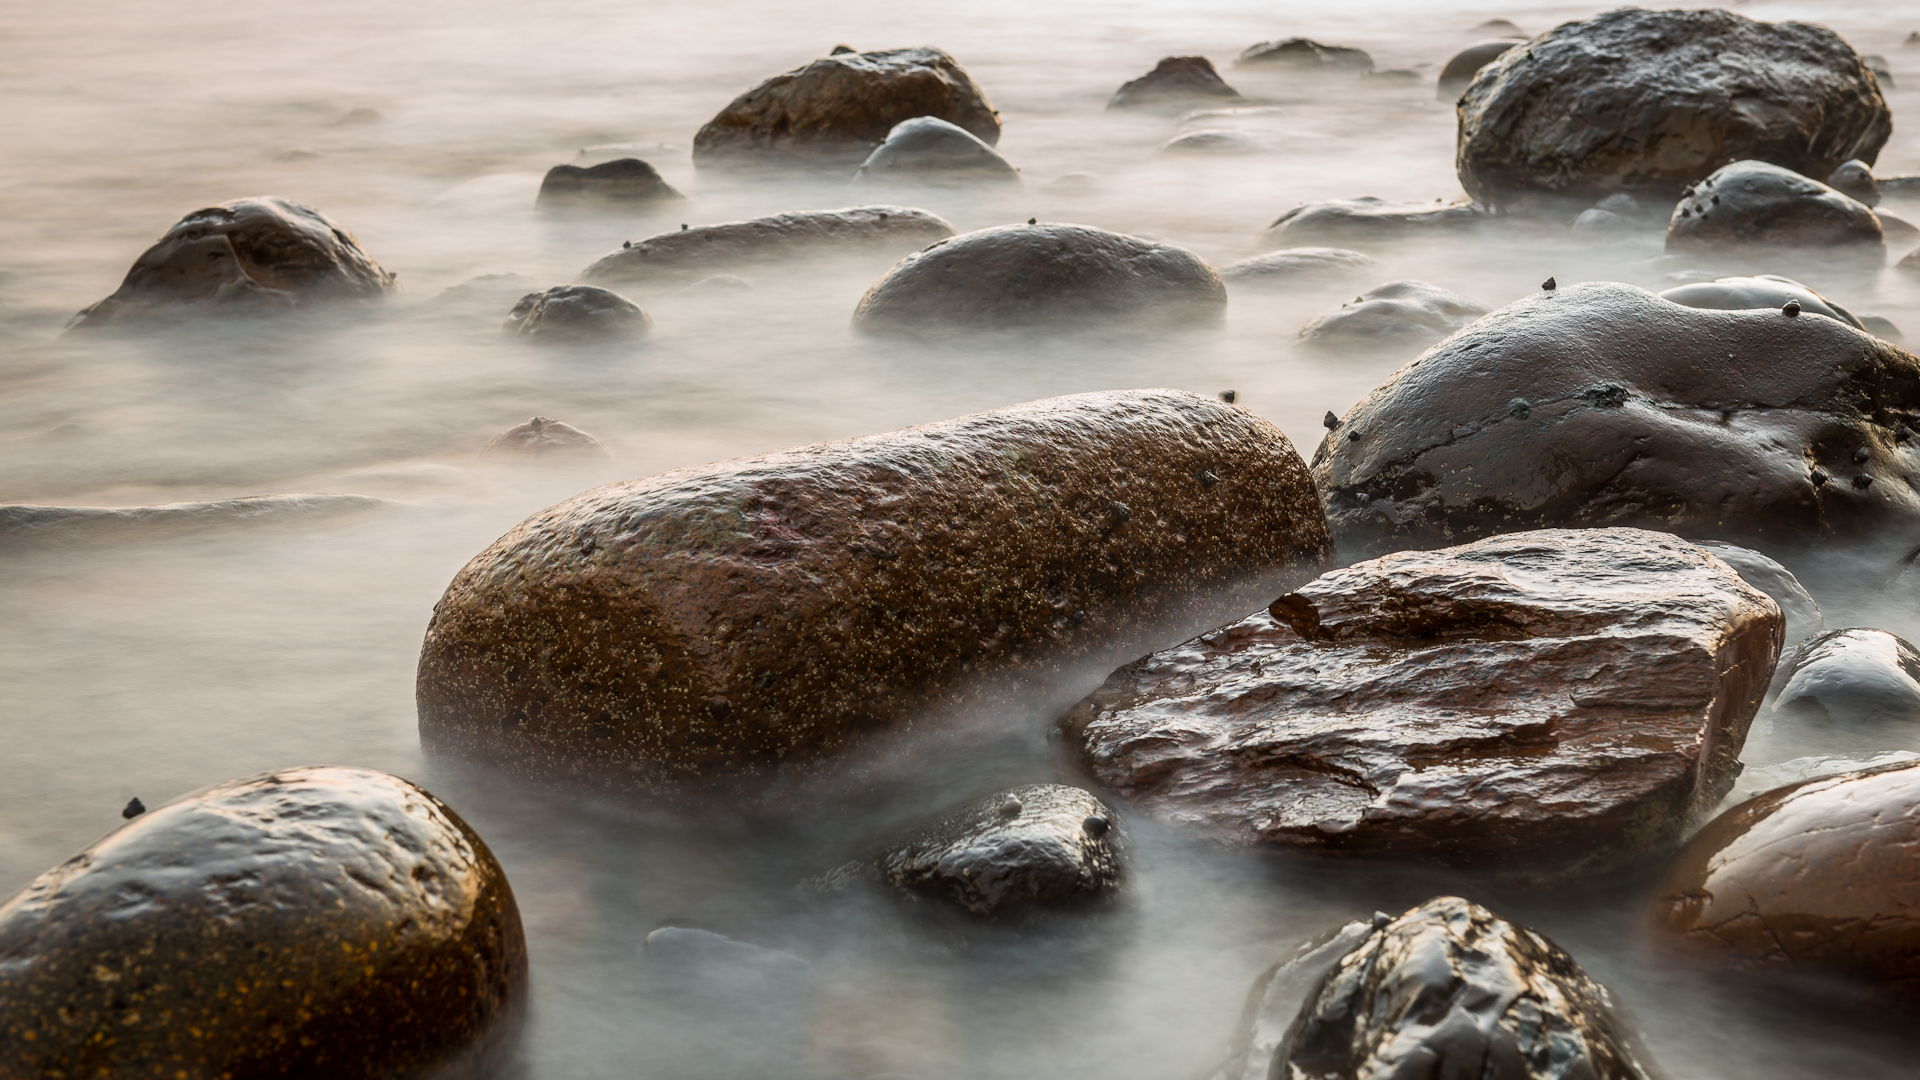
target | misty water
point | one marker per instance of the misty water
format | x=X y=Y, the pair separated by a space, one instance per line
x=156 y=666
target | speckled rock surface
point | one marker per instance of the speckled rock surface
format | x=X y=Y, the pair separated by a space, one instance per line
x=1751 y=204
x=1459 y=71
x=1304 y=56
x=1041 y=845
x=1176 y=82
x=1368 y=221
x=576 y=313
x=542 y=438
x=1040 y=275
x=1651 y=101
x=1546 y=705
x=625 y=182
x=248 y=254
x=1602 y=404
x=768 y=613
x=1450 y=989
x=28 y=524
x=927 y=149
x=1768 y=292
x=1820 y=876
x=1400 y=312
x=836 y=110
x=687 y=256
x=1295 y=266
x=1854 y=676
x=310 y=922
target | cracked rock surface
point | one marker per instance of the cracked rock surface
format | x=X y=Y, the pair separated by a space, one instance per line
x=1546 y=704
x=687 y=256
x=1821 y=876
x=1040 y=844
x=1601 y=404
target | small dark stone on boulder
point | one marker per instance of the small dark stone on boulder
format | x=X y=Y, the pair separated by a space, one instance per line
x=1176 y=82
x=577 y=313
x=626 y=181
x=134 y=808
x=1752 y=204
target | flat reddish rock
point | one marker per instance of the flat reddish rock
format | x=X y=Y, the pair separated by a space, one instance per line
x=1821 y=876
x=1547 y=704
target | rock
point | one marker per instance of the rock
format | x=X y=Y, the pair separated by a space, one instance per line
x=1300 y=56
x=1292 y=266
x=1755 y=780
x=27 y=524
x=1595 y=220
x=1882 y=74
x=1368 y=220
x=543 y=438
x=1398 y=312
x=245 y=255
x=1279 y=992
x=1796 y=604
x=626 y=181
x=1073 y=185
x=1880 y=327
x=1465 y=64
x=1898 y=231
x=1753 y=204
x=1853 y=677
x=1855 y=180
x=686 y=256
x=763 y=615
x=575 y=313
x=1492 y=706
x=316 y=921
x=1042 y=845
x=837 y=110
x=1499 y=28
x=1211 y=141
x=1451 y=990
x=1651 y=101
x=1768 y=292
x=1813 y=878
x=1897 y=185
x=716 y=286
x=1714 y=435
x=1042 y=275
x=1176 y=82
x=927 y=149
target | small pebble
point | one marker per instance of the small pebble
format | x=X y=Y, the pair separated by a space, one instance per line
x=1095 y=826
x=1549 y=285
x=1902 y=433
x=1229 y=396
x=1861 y=454
x=1791 y=309
x=1330 y=421
x=624 y=244
x=683 y=226
x=1011 y=808
x=134 y=808
x=1033 y=221
x=1353 y=435
x=1519 y=409
x=1121 y=513
x=1820 y=477
x=1863 y=481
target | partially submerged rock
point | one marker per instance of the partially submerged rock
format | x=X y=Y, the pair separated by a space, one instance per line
x=316 y=921
x=577 y=313
x=1796 y=604
x=684 y=257
x=1768 y=292
x=623 y=182
x=1291 y=266
x=246 y=255
x=1742 y=426
x=27 y=524
x=1651 y=101
x=1399 y=312
x=543 y=438
x=1543 y=705
x=837 y=110
x=1176 y=82
x=1459 y=71
x=1854 y=677
x=1368 y=220
x=1854 y=179
x=1037 y=846
x=1301 y=56
x=1211 y=141
x=1751 y=204
x=927 y=149
x=768 y=614
x=1042 y=275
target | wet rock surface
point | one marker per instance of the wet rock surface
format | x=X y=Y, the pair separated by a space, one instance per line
x=543 y=438
x=1768 y=292
x=1303 y=56
x=310 y=922
x=1042 y=275
x=1398 y=312
x=577 y=313
x=1176 y=82
x=1368 y=220
x=1817 y=877
x=1651 y=101
x=1796 y=604
x=627 y=181
x=1741 y=426
x=687 y=256
x=1548 y=704
x=769 y=613
x=1854 y=676
x=1459 y=71
x=22 y=524
x=246 y=255
x=838 y=109
x=1451 y=989
x=928 y=149
x=1040 y=845
x=1751 y=204
x=1302 y=265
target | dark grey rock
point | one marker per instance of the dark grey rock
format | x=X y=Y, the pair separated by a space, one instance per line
x=1854 y=179
x=577 y=313
x=1851 y=677
x=543 y=438
x=1305 y=57
x=627 y=181
x=927 y=149
x=1042 y=845
x=1402 y=312
x=1465 y=64
x=688 y=255
x=1768 y=291
x=1751 y=204
x=1369 y=220
x=1296 y=266
x=1176 y=82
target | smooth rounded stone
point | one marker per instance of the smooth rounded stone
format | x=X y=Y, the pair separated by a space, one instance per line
x=1853 y=676
x=1450 y=989
x=718 y=285
x=248 y=254
x=1880 y=327
x=837 y=110
x=1796 y=603
x=1899 y=231
x=1751 y=204
x=1397 y=312
x=1557 y=410
x=1042 y=275
x=1459 y=71
x=1176 y=82
x=1542 y=706
x=543 y=438
x=1295 y=266
x=1302 y=56
x=1368 y=220
x=771 y=614
x=1758 y=779
x=309 y=922
x=28 y=524
x=1854 y=179
x=1651 y=101
x=1814 y=878
x=1041 y=845
x=1595 y=220
x=1881 y=72
x=927 y=149
x=622 y=182
x=1213 y=141
x=1500 y=28
x=686 y=256
x=576 y=313
x=1769 y=292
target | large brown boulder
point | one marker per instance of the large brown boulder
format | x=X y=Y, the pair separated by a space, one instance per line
x=838 y=109
x=1602 y=404
x=1651 y=101
x=311 y=922
x=1816 y=877
x=245 y=255
x=1754 y=205
x=1544 y=704
x=770 y=613
x=865 y=233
